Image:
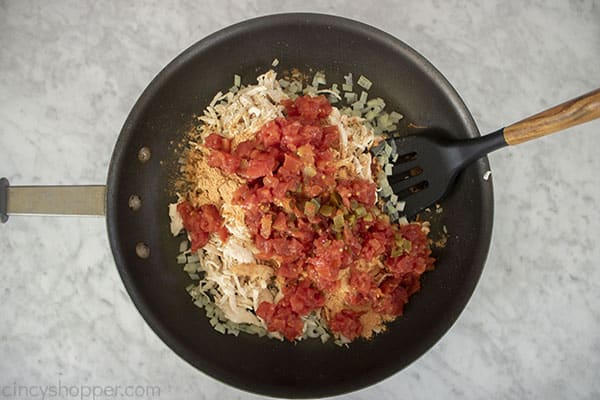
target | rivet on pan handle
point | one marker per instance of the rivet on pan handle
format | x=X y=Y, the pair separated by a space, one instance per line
x=51 y=200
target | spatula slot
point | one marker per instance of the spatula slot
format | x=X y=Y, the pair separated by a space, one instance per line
x=407 y=157
x=409 y=187
x=404 y=171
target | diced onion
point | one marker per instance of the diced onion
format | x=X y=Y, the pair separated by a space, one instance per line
x=183 y=246
x=363 y=97
x=348 y=78
x=364 y=82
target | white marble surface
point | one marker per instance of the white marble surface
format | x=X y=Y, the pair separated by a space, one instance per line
x=69 y=73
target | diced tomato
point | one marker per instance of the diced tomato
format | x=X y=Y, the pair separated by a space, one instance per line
x=393 y=303
x=319 y=185
x=287 y=247
x=303 y=232
x=290 y=184
x=229 y=163
x=290 y=270
x=313 y=189
x=287 y=203
x=358 y=299
x=217 y=142
x=346 y=323
x=280 y=223
x=211 y=220
x=325 y=265
x=344 y=189
x=266 y=310
x=325 y=164
x=292 y=166
x=290 y=108
x=198 y=239
x=264 y=194
x=296 y=135
x=242 y=196
x=360 y=281
x=388 y=285
x=363 y=289
x=283 y=249
x=281 y=318
x=312 y=133
x=374 y=246
x=306 y=152
x=270 y=181
x=253 y=218
x=361 y=190
x=419 y=259
x=331 y=137
x=305 y=298
x=259 y=166
x=244 y=149
x=291 y=137
x=284 y=317
x=270 y=134
x=403 y=264
x=412 y=283
x=276 y=153
x=364 y=191
x=214 y=141
x=352 y=241
x=313 y=108
x=200 y=222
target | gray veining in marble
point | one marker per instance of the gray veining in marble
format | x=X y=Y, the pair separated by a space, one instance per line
x=71 y=70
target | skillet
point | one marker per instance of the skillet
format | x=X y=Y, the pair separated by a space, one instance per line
x=161 y=116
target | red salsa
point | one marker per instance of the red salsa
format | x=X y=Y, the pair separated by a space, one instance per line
x=316 y=227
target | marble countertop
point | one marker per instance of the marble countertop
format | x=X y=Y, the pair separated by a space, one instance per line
x=69 y=73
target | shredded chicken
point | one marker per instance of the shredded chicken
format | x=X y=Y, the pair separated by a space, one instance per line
x=355 y=140
x=238 y=116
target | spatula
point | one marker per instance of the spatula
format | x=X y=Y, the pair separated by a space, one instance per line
x=428 y=163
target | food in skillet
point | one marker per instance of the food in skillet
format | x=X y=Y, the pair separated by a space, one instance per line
x=293 y=229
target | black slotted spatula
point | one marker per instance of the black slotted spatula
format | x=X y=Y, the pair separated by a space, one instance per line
x=428 y=164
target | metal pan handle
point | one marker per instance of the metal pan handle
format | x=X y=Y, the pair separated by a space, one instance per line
x=51 y=200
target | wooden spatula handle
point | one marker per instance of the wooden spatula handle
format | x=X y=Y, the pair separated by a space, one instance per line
x=573 y=112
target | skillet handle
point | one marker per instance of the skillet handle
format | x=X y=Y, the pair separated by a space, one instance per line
x=51 y=200
x=573 y=112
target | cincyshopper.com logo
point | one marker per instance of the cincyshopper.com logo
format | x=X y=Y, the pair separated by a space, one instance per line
x=82 y=392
